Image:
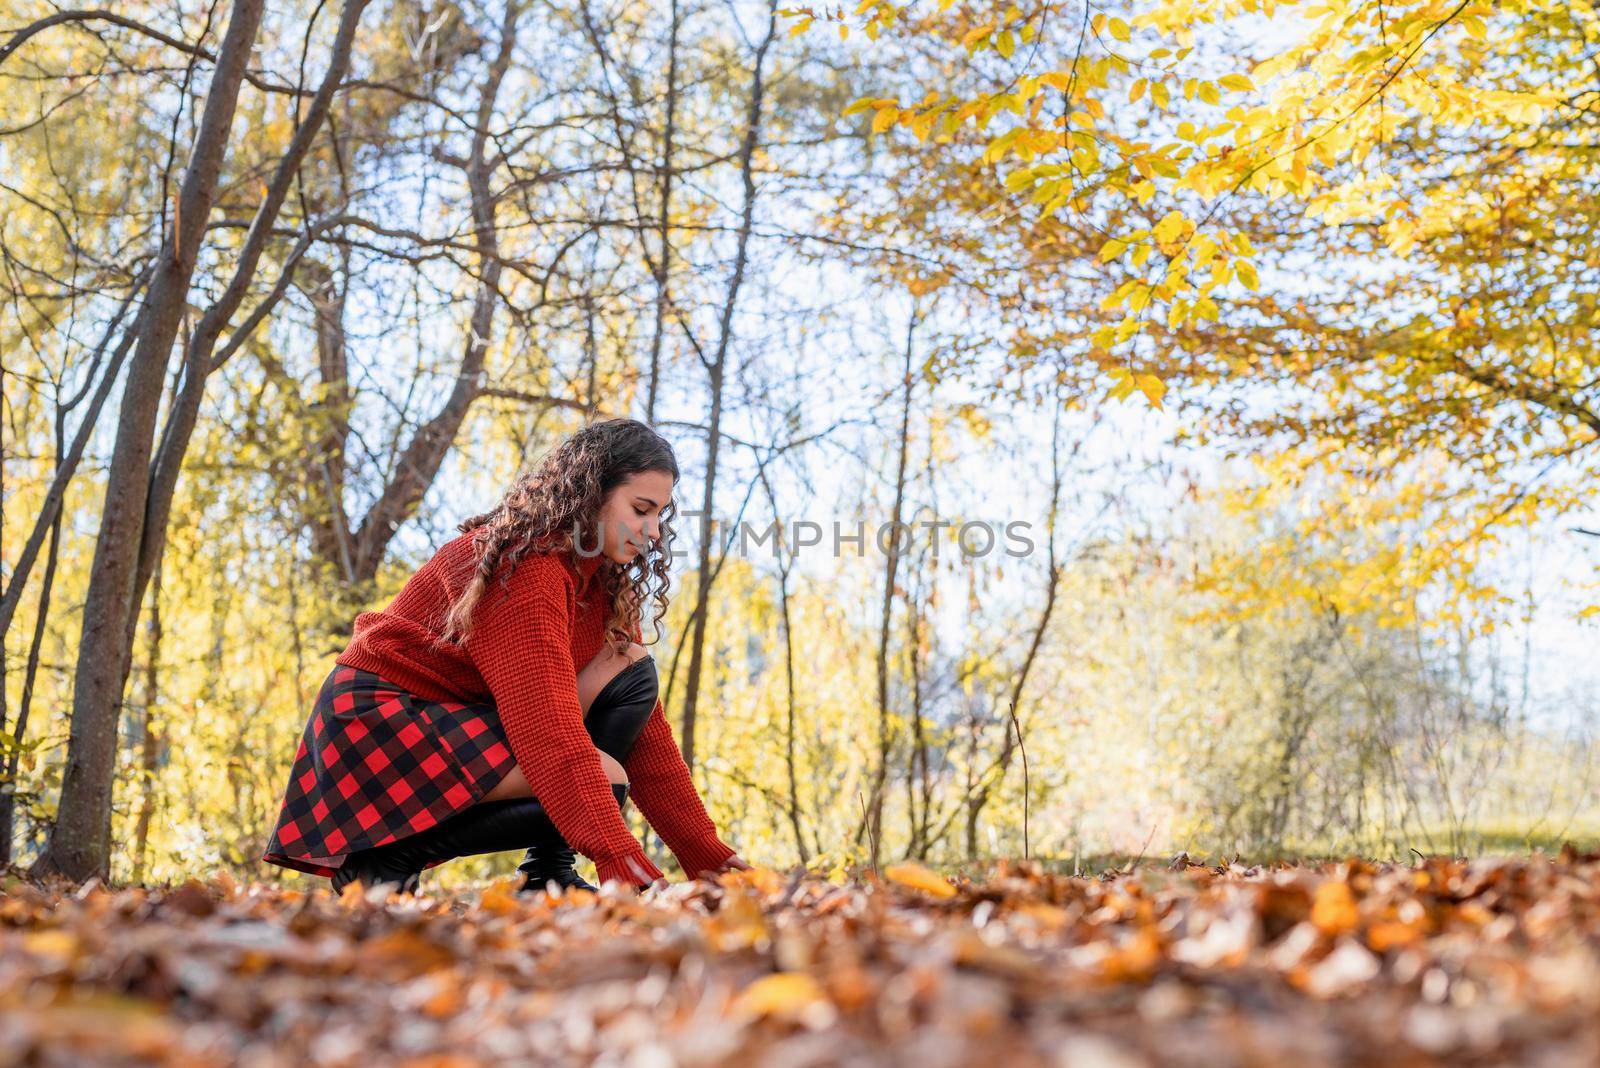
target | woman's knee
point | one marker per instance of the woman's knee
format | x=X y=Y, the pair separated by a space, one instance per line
x=608 y=662
x=602 y=668
x=615 y=725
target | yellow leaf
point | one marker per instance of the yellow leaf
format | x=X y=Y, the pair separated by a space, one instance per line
x=918 y=877
x=1152 y=387
x=738 y=924
x=1247 y=274
x=54 y=943
x=779 y=994
x=1020 y=177
x=976 y=34
x=1170 y=228
x=1119 y=29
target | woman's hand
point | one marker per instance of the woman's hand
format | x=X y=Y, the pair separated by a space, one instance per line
x=644 y=882
x=733 y=863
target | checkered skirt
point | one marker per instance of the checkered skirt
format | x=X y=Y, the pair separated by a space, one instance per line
x=376 y=763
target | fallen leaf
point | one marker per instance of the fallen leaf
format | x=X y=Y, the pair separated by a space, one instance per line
x=919 y=877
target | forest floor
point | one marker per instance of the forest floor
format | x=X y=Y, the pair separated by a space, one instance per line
x=1458 y=962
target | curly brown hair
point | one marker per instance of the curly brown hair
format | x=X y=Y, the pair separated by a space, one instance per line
x=552 y=504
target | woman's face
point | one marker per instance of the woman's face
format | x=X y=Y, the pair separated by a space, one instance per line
x=631 y=516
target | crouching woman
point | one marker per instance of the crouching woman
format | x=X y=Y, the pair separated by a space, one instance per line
x=503 y=701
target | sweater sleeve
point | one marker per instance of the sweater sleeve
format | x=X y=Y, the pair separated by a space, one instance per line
x=521 y=645
x=664 y=792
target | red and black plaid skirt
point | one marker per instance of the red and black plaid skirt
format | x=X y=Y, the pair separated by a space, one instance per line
x=376 y=763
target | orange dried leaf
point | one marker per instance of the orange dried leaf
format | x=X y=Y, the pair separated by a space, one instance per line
x=1334 y=909
x=919 y=877
x=779 y=994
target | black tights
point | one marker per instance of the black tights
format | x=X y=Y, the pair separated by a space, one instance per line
x=619 y=711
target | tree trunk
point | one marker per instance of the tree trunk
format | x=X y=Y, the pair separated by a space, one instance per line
x=919 y=790
x=149 y=740
x=790 y=729
x=716 y=368
x=873 y=820
x=326 y=289
x=80 y=840
x=198 y=361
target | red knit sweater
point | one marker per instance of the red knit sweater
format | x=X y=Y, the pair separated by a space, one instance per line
x=524 y=651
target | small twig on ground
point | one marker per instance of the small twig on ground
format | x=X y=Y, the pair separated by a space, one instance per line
x=1140 y=857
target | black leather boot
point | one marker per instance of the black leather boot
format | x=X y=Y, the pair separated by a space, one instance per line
x=552 y=859
x=487 y=827
x=615 y=717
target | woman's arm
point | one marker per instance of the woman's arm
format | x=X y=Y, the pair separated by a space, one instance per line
x=520 y=644
x=664 y=791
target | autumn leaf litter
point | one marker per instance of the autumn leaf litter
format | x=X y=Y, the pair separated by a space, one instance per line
x=1491 y=961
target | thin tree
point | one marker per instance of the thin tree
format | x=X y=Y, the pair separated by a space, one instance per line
x=980 y=796
x=873 y=817
x=139 y=493
x=716 y=367
x=791 y=805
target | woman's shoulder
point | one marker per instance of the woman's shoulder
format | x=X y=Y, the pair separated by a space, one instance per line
x=456 y=559
x=536 y=574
